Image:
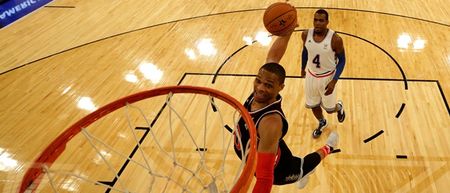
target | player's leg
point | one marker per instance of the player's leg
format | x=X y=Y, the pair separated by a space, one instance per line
x=287 y=168
x=313 y=101
x=290 y=169
x=313 y=159
x=317 y=111
x=322 y=122
x=331 y=105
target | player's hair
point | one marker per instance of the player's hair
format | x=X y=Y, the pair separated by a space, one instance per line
x=322 y=11
x=277 y=69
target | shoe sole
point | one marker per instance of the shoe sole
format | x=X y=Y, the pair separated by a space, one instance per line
x=301 y=183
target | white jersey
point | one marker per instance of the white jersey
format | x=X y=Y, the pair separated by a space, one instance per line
x=321 y=57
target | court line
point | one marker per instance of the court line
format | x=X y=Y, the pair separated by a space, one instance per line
x=226 y=60
x=373 y=136
x=133 y=152
x=344 y=78
x=123 y=167
x=59 y=6
x=443 y=96
x=355 y=36
x=208 y=15
x=387 y=53
x=131 y=155
x=400 y=111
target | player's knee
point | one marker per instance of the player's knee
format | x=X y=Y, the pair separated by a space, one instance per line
x=329 y=112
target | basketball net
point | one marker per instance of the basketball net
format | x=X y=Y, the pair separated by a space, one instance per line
x=170 y=139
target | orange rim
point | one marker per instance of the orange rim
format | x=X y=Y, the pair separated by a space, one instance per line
x=57 y=146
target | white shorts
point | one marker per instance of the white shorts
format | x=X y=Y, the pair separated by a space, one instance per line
x=315 y=92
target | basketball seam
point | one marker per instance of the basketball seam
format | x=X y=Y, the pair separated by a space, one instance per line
x=279 y=17
x=284 y=28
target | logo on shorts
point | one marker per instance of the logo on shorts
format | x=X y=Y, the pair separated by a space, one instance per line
x=293 y=177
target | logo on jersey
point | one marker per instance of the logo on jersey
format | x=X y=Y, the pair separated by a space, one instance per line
x=325 y=46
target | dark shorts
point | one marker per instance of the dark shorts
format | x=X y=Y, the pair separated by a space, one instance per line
x=287 y=170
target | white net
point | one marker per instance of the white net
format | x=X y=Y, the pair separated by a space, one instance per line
x=172 y=143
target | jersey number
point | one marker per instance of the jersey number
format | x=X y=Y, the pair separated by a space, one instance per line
x=316 y=61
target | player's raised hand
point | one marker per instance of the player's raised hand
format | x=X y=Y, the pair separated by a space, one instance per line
x=289 y=31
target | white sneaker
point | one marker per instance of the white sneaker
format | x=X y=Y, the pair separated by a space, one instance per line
x=333 y=139
x=303 y=181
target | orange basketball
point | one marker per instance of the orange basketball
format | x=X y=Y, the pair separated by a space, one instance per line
x=279 y=17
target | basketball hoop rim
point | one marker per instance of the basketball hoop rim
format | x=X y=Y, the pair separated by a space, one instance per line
x=57 y=146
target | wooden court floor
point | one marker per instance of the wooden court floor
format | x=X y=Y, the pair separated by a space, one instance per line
x=93 y=52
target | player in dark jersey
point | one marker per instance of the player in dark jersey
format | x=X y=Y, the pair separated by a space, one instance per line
x=276 y=164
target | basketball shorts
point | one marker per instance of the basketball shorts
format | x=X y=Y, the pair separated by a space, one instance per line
x=315 y=92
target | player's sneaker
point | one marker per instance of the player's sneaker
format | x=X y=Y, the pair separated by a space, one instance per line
x=341 y=112
x=322 y=125
x=333 y=139
x=301 y=183
x=332 y=142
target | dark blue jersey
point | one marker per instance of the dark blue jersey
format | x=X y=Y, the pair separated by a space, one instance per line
x=287 y=167
x=257 y=115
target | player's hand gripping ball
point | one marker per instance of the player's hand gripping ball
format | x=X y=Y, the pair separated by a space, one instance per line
x=280 y=18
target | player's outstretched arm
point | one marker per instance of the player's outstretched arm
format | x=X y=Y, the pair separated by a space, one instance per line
x=279 y=46
x=269 y=131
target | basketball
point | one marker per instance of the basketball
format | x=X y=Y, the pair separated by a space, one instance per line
x=279 y=17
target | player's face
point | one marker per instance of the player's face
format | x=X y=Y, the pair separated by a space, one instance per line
x=320 y=23
x=266 y=87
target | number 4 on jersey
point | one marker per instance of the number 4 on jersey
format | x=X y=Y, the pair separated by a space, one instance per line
x=316 y=61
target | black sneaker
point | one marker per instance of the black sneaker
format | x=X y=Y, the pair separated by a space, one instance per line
x=317 y=132
x=341 y=113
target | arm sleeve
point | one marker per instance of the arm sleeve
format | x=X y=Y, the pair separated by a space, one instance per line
x=340 y=65
x=264 y=172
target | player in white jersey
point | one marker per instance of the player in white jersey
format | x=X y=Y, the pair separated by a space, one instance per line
x=323 y=60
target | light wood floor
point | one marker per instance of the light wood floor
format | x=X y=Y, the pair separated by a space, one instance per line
x=54 y=57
